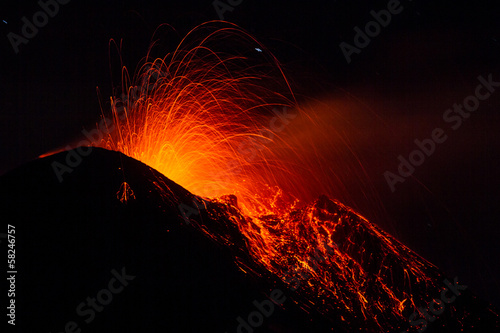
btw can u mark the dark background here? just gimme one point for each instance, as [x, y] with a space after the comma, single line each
[428, 58]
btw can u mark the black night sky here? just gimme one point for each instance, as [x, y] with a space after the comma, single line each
[428, 57]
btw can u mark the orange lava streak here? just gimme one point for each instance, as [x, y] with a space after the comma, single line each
[201, 119]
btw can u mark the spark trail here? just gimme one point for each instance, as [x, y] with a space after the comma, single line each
[201, 120]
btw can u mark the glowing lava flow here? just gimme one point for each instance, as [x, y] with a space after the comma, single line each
[201, 120]
[332, 260]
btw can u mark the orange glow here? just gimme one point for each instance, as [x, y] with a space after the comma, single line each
[202, 118]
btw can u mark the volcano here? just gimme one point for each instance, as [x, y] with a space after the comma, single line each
[117, 246]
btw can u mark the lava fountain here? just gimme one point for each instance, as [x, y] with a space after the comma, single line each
[206, 119]
[212, 116]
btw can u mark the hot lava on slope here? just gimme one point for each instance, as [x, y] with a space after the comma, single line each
[212, 117]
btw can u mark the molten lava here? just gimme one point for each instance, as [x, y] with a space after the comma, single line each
[213, 122]
[204, 119]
